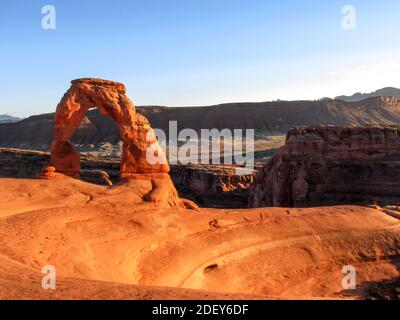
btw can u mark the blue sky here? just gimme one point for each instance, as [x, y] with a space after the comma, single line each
[197, 52]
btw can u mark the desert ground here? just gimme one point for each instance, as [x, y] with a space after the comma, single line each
[107, 243]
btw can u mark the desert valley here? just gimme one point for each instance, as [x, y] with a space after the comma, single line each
[78, 194]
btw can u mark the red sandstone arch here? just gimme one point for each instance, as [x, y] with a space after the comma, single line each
[111, 100]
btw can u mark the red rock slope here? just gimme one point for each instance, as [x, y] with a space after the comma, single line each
[105, 243]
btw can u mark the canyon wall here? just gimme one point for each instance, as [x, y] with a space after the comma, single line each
[215, 186]
[326, 165]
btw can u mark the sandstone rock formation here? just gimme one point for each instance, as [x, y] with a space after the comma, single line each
[134, 130]
[332, 165]
[49, 172]
[111, 100]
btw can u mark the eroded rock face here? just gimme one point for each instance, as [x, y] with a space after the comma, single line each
[111, 100]
[331, 165]
[213, 186]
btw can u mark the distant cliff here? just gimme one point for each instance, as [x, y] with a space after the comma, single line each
[267, 118]
[384, 92]
[332, 165]
[5, 118]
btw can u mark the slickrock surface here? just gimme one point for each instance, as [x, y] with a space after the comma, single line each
[107, 243]
[332, 165]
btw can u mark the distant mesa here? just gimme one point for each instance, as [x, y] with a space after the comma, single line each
[266, 118]
[385, 92]
[5, 118]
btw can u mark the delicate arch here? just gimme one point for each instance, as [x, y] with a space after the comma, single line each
[111, 100]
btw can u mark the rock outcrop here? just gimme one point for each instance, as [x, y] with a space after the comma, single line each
[135, 133]
[332, 165]
[49, 172]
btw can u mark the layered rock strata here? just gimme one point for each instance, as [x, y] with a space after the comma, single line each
[326, 165]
